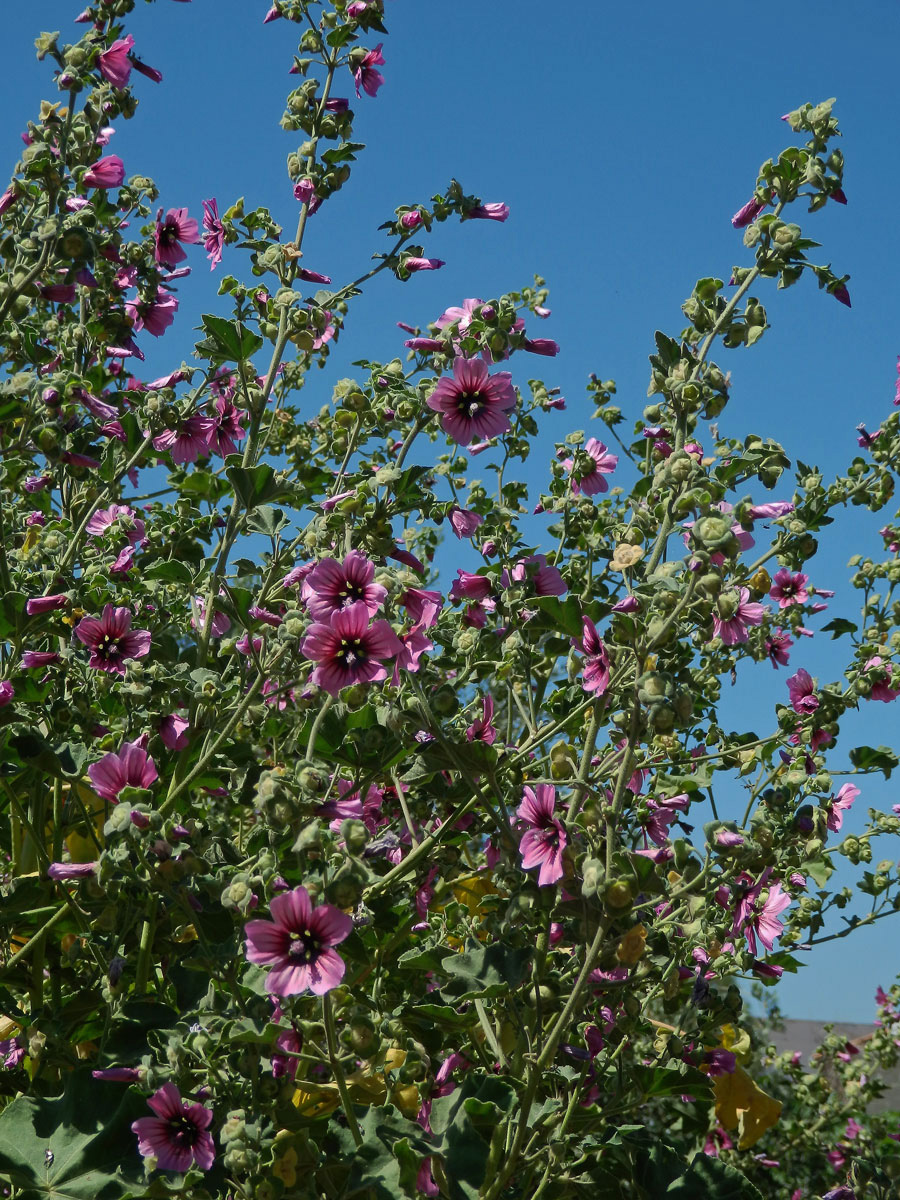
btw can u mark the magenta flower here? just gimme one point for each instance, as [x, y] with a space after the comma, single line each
[332, 586]
[839, 805]
[803, 693]
[38, 658]
[746, 215]
[464, 522]
[482, 728]
[461, 314]
[596, 659]
[213, 233]
[177, 1136]
[473, 404]
[173, 731]
[546, 346]
[153, 315]
[178, 227]
[348, 649]
[131, 767]
[412, 646]
[546, 580]
[115, 63]
[365, 76]
[107, 172]
[789, 589]
[43, 604]
[489, 212]
[543, 842]
[189, 441]
[777, 647]
[423, 606]
[881, 688]
[733, 630]
[104, 518]
[297, 943]
[467, 586]
[111, 639]
[226, 429]
[761, 919]
[143, 69]
[36, 483]
[416, 263]
[590, 479]
[119, 1074]
[312, 276]
[61, 872]
[7, 691]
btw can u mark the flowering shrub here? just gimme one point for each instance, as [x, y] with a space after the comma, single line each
[363, 880]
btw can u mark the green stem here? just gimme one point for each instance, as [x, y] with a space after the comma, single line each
[337, 1070]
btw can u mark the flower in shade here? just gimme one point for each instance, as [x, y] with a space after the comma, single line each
[365, 76]
[104, 518]
[545, 838]
[473, 404]
[348, 649]
[789, 589]
[482, 728]
[732, 629]
[38, 658]
[173, 731]
[213, 233]
[178, 227]
[588, 469]
[131, 767]
[332, 586]
[746, 215]
[115, 63]
[596, 659]
[7, 691]
[423, 606]
[111, 639]
[464, 522]
[298, 944]
[489, 212]
[178, 1135]
[107, 172]
[777, 647]
[803, 693]
[544, 578]
[839, 805]
[42, 604]
[119, 1074]
[881, 688]
[63, 871]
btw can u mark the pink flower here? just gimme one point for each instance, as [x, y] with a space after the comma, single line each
[115, 63]
[61, 872]
[332, 586]
[173, 731]
[154, 315]
[461, 314]
[746, 215]
[549, 349]
[415, 263]
[365, 76]
[111, 639]
[7, 691]
[178, 227]
[590, 479]
[297, 943]
[464, 522]
[473, 404]
[43, 604]
[482, 728]
[470, 587]
[312, 276]
[789, 589]
[423, 606]
[733, 630]
[348, 649]
[177, 1136]
[489, 212]
[802, 691]
[543, 842]
[226, 428]
[841, 802]
[413, 645]
[213, 233]
[881, 689]
[104, 518]
[596, 659]
[412, 219]
[131, 767]
[38, 658]
[189, 441]
[546, 580]
[107, 172]
[777, 648]
[761, 920]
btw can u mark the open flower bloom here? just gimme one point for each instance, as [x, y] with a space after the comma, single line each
[482, 728]
[473, 404]
[332, 586]
[803, 693]
[761, 919]
[115, 63]
[365, 76]
[789, 589]
[589, 478]
[178, 227]
[297, 943]
[839, 805]
[350, 650]
[178, 1135]
[596, 659]
[111, 639]
[732, 628]
[545, 838]
[131, 767]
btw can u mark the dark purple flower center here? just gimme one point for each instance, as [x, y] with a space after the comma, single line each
[471, 404]
[351, 652]
[183, 1132]
[107, 647]
[168, 234]
[351, 592]
[305, 947]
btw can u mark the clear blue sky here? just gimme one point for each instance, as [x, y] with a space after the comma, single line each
[623, 138]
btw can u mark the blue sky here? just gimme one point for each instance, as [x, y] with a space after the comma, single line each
[622, 138]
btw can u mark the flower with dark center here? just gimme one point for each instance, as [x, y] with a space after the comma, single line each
[177, 1136]
[473, 404]
[111, 639]
[297, 943]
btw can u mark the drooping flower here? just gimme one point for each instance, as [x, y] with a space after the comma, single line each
[746, 215]
[178, 1135]
[213, 233]
[332, 586]
[495, 211]
[733, 629]
[132, 766]
[297, 943]
[423, 606]
[348, 650]
[115, 63]
[777, 647]
[464, 522]
[365, 76]
[839, 805]
[173, 731]
[107, 172]
[482, 728]
[789, 589]
[803, 692]
[467, 586]
[178, 227]
[881, 688]
[111, 639]
[587, 477]
[545, 839]
[595, 672]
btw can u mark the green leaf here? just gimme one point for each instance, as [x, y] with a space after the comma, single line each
[170, 571]
[386, 1163]
[78, 1146]
[491, 970]
[254, 485]
[228, 339]
[868, 758]
[710, 1177]
[267, 520]
[457, 1120]
[564, 616]
[838, 627]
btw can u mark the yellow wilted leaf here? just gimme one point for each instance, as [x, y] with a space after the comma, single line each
[368, 1085]
[632, 945]
[742, 1105]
